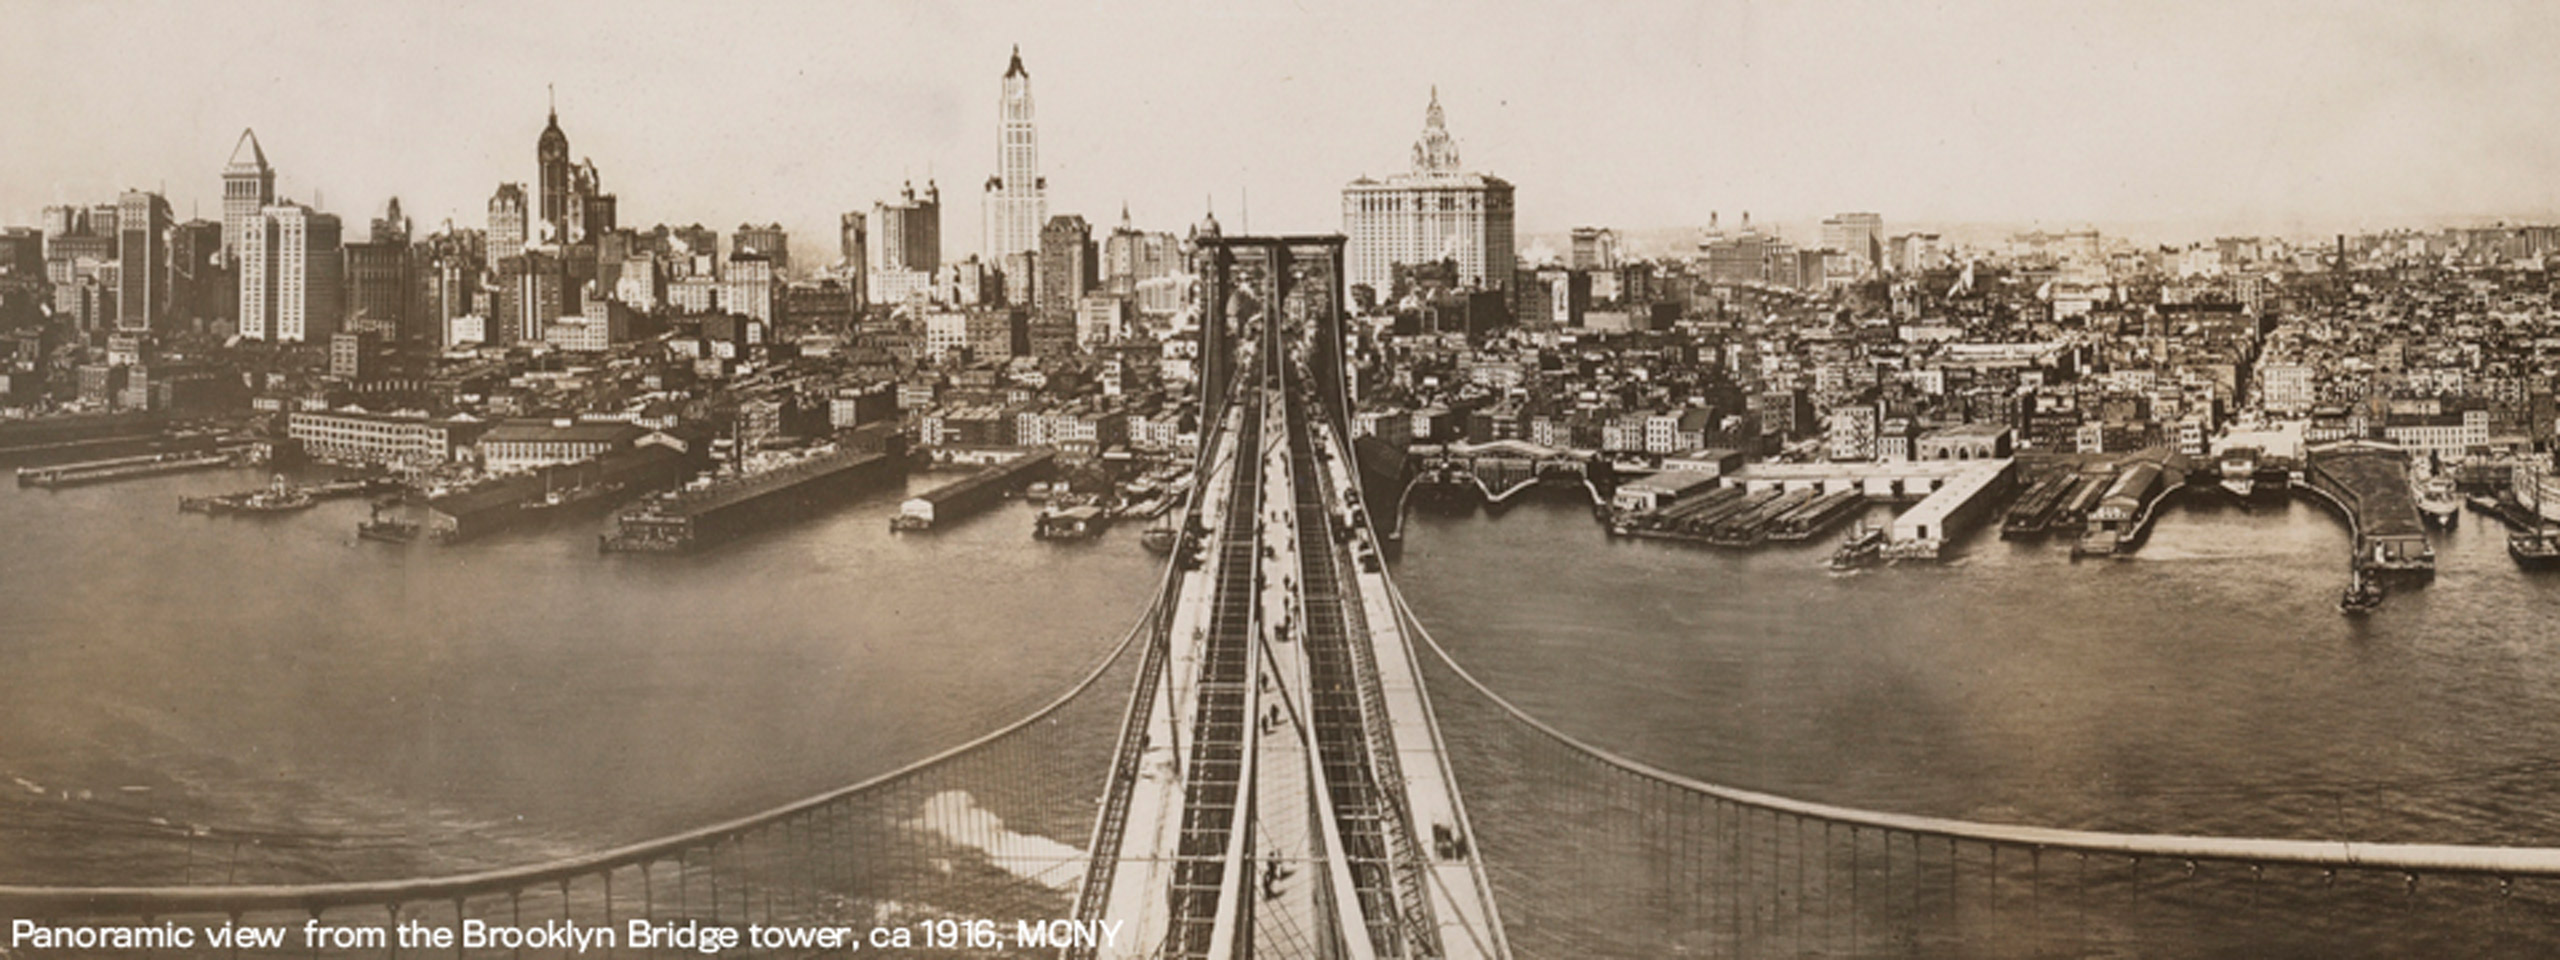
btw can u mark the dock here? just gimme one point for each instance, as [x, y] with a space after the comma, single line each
[974, 492]
[2367, 483]
[558, 490]
[1922, 532]
[113, 469]
[686, 519]
[2124, 513]
[1817, 515]
[40, 436]
[2033, 513]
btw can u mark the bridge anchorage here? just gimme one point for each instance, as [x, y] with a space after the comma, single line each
[1279, 760]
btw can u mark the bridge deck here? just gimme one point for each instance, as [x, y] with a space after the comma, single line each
[1289, 796]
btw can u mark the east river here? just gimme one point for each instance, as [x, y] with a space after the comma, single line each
[432, 709]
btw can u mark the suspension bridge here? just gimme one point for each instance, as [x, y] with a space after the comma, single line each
[1279, 760]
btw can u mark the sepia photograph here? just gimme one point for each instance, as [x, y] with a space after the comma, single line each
[1328, 480]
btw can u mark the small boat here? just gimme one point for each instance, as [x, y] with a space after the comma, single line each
[2363, 596]
[1160, 540]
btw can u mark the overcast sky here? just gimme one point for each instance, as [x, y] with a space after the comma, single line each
[2211, 115]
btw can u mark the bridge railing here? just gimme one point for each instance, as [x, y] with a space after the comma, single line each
[1595, 854]
[983, 830]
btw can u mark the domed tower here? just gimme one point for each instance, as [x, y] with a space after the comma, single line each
[551, 154]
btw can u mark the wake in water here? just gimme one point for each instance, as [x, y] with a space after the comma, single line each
[955, 816]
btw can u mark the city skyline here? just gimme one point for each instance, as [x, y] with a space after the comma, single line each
[2268, 118]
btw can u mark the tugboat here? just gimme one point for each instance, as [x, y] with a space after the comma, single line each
[2362, 597]
[1863, 546]
[279, 497]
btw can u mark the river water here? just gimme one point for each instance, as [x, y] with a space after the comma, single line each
[429, 709]
[424, 709]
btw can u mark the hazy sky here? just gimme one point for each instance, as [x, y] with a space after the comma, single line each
[2214, 115]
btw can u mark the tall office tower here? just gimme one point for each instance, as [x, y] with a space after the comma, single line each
[1017, 198]
[292, 282]
[391, 226]
[379, 276]
[199, 280]
[248, 186]
[142, 255]
[1434, 212]
[1120, 253]
[551, 156]
[1066, 268]
[1860, 235]
[907, 235]
[531, 294]
[855, 243]
[506, 222]
[769, 241]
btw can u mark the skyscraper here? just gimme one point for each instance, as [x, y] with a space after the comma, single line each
[1017, 198]
[506, 222]
[248, 186]
[906, 244]
[855, 240]
[379, 275]
[551, 155]
[142, 254]
[1435, 212]
[1858, 235]
[291, 276]
[1066, 268]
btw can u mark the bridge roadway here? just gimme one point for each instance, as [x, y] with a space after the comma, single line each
[1282, 789]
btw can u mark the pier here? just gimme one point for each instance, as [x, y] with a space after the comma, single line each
[569, 488]
[687, 519]
[976, 491]
[2367, 483]
[129, 468]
